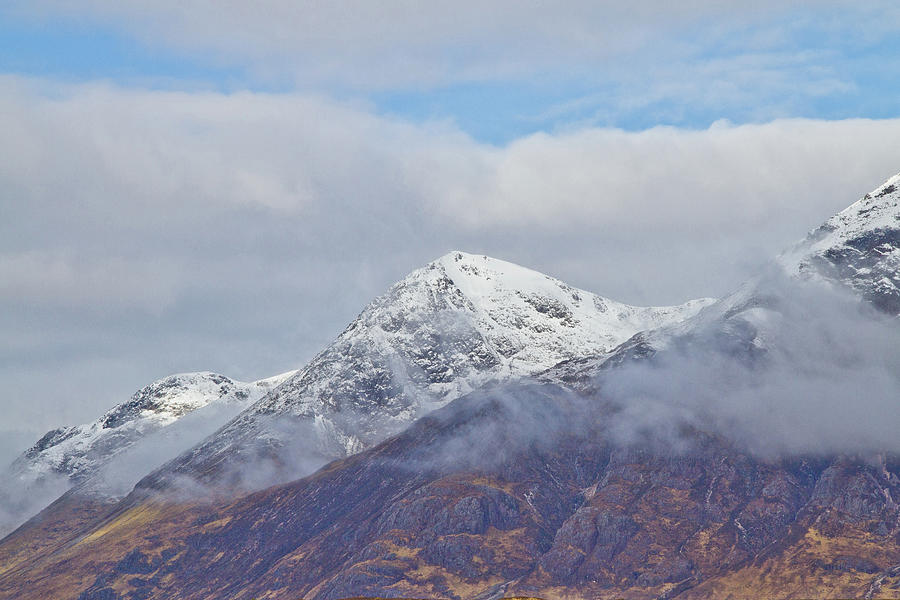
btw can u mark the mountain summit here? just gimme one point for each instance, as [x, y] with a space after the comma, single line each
[858, 247]
[456, 324]
[77, 452]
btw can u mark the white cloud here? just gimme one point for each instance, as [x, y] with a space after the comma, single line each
[41, 278]
[399, 43]
[725, 178]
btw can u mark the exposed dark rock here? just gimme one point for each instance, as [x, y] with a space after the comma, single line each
[136, 563]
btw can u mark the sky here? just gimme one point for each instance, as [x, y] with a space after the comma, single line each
[196, 185]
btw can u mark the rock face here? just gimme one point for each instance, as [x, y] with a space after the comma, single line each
[456, 324]
[858, 247]
[70, 456]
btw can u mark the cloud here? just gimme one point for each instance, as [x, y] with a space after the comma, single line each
[720, 179]
[782, 368]
[151, 232]
[108, 282]
[398, 44]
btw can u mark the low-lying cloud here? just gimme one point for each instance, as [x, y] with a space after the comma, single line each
[780, 369]
[797, 368]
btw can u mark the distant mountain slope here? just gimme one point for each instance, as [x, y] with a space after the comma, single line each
[70, 456]
[454, 325]
[858, 247]
[77, 452]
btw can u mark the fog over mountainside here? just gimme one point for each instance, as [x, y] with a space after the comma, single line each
[578, 300]
[784, 368]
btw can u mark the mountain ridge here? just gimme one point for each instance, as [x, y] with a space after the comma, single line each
[458, 323]
[445, 329]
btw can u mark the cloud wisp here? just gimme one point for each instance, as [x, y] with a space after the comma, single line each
[782, 369]
[32, 491]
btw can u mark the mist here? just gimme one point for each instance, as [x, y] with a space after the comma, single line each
[265, 221]
[780, 368]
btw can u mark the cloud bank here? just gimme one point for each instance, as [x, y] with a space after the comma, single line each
[784, 368]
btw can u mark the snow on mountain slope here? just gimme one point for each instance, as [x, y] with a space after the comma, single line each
[859, 247]
[458, 323]
[73, 456]
[856, 250]
[78, 451]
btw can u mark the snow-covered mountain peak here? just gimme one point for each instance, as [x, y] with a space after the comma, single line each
[479, 275]
[858, 247]
[169, 398]
[78, 451]
[491, 283]
[459, 322]
[140, 431]
[535, 321]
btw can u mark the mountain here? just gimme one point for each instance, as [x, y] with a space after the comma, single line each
[856, 251]
[456, 324]
[71, 456]
[858, 247]
[78, 452]
[664, 467]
